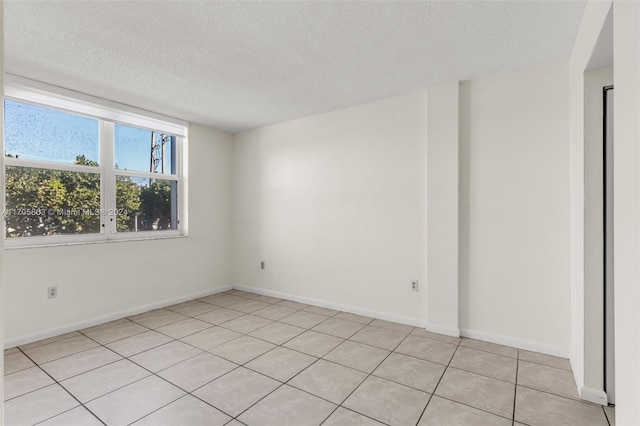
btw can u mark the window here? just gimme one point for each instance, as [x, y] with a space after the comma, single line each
[80, 172]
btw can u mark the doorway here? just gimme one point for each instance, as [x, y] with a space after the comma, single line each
[609, 325]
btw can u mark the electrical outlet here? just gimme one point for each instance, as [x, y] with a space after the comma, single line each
[414, 285]
[262, 265]
[52, 292]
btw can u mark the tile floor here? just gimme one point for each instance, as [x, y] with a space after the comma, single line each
[239, 358]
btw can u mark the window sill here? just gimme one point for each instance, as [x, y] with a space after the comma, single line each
[92, 242]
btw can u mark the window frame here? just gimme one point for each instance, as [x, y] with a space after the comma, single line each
[108, 114]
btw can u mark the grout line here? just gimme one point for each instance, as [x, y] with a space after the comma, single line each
[545, 365]
[606, 416]
[65, 389]
[515, 391]
[281, 345]
[435, 388]
[369, 374]
[580, 401]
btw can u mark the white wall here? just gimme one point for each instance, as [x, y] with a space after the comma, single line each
[593, 20]
[335, 204]
[514, 204]
[442, 229]
[103, 279]
[626, 108]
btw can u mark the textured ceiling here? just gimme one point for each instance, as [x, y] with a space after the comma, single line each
[241, 65]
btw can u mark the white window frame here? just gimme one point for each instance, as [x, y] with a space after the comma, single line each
[108, 113]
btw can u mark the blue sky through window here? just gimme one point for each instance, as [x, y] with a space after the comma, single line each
[36, 133]
[42, 134]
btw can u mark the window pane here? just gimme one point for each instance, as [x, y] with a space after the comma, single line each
[144, 150]
[42, 202]
[36, 133]
[146, 204]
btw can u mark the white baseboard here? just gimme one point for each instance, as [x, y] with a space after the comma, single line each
[443, 329]
[515, 342]
[594, 395]
[597, 396]
[34, 337]
[338, 306]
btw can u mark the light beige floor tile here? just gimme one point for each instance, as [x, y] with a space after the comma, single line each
[421, 332]
[37, 406]
[25, 381]
[281, 363]
[268, 299]
[187, 411]
[246, 294]
[304, 319]
[489, 347]
[354, 318]
[210, 338]
[410, 371]
[134, 401]
[50, 340]
[339, 328]
[388, 402]
[234, 422]
[538, 358]
[138, 343]
[248, 306]
[313, 343]
[11, 351]
[328, 380]
[394, 326]
[537, 408]
[79, 363]
[242, 349]
[183, 328]
[357, 355]
[78, 416]
[238, 292]
[277, 333]
[142, 314]
[236, 391]
[610, 412]
[484, 393]
[180, 305]
[380, 337]
[274, 312]
[164, 356]
[116, 332]
[212, 297]
[109, 324]
[196, 308]
[548, 379]
[227, 300]
[161, 318]
[197, 371]
[16, 361]
[485, 363]
[219, 316]
[288, 407]
[59, 349]
[427, 349]
[344, 417]
[246, 324]
[444, 412]
[293, 305]
[100, 381]
[322, 311]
